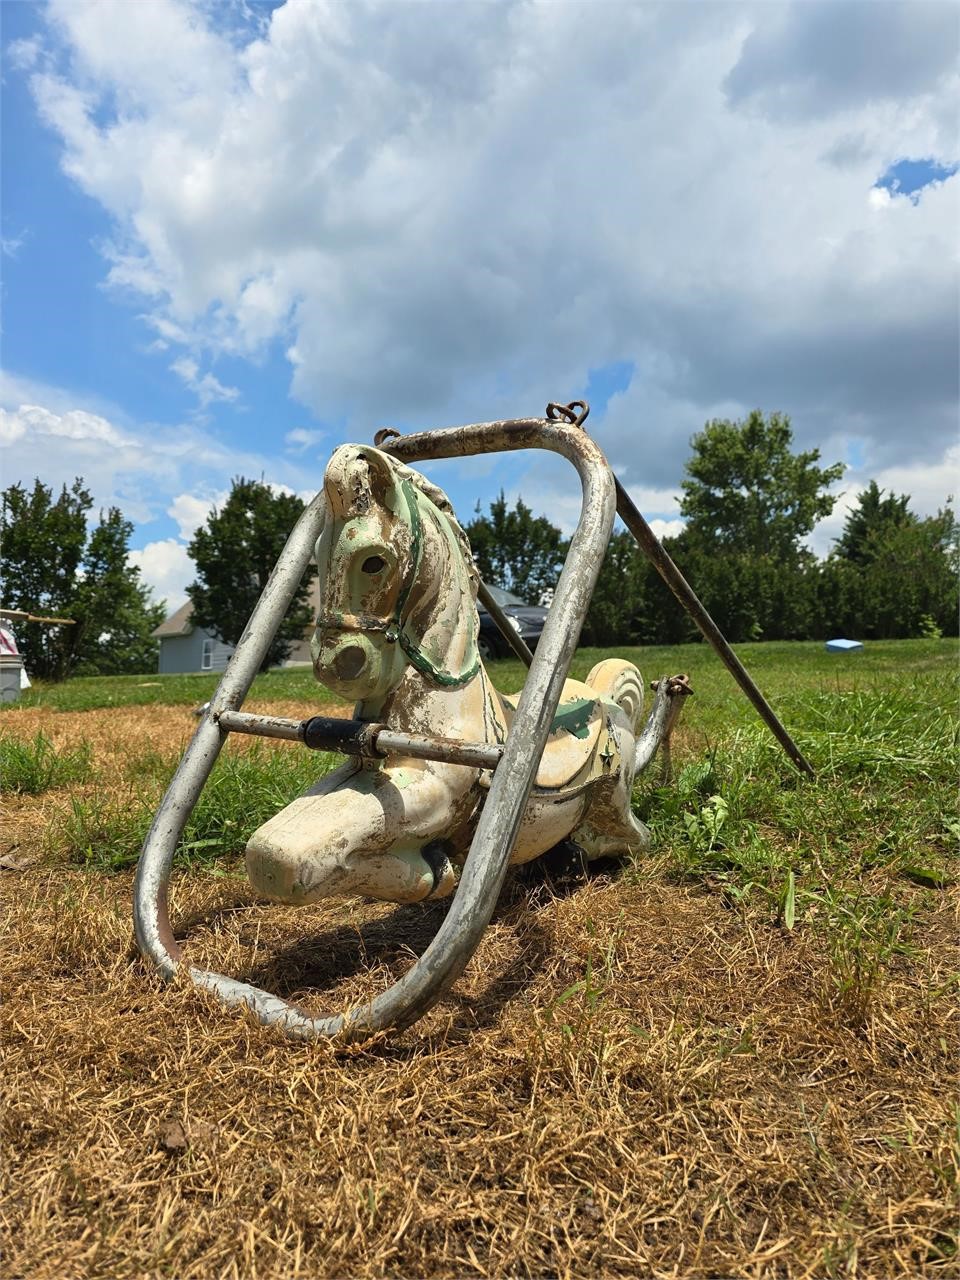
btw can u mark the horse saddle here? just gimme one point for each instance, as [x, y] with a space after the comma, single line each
[575, 737]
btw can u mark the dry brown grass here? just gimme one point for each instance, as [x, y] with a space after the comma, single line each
[630, 1080]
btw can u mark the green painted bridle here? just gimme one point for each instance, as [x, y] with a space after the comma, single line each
[393, 628]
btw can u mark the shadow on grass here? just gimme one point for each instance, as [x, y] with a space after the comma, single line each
[315, 965]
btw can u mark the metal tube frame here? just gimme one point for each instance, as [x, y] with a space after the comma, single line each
[360, 738]
[459, 935]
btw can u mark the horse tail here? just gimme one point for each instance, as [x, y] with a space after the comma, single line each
[620, 682]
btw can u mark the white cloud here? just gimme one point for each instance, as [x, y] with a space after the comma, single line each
[666, 528]
[879, 198]
[654, 500]
[24, 54]
[446, 218]
[33, 420]
[136, 467]
[190, 511]
[301, 438]
[166, 569]
[10, 246]
[208, 388]
[819, 57]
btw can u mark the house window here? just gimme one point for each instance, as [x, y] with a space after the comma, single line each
[206, 656]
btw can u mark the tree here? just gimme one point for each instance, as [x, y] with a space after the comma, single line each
[896, 574]
[49, 565]
[517, 550]
[747, 492]
[114, 612]
[867, 521]
[616, 613]
[750, 501]
[235, 553]
[41, 547]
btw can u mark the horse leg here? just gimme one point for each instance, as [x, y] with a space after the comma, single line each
[358, 831]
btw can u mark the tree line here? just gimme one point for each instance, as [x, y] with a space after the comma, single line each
[749, 501]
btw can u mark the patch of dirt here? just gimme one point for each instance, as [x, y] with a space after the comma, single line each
[118, 731]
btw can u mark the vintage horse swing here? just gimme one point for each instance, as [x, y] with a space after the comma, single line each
[447, 781]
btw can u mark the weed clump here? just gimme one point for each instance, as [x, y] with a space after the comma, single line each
[35, 766]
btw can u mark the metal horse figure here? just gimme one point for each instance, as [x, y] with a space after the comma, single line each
[397, 634]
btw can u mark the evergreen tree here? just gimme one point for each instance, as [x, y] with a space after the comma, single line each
[872, 515]
[517, 550]
[235, 552]
[901, 576]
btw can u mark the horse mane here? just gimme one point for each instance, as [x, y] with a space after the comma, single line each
[443, 504]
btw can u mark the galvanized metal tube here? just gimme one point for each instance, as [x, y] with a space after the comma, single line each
[513, 638]
[475, 755]
[658, 724]
[151, 924]
[661, 561]
[262, 726]
[459, 934]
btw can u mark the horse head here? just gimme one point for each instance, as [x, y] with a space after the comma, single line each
[397, 581]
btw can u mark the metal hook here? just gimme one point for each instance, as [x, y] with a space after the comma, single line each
[575, 413]
[385, 434]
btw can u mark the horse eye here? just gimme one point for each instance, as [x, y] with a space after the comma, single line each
[373, 564]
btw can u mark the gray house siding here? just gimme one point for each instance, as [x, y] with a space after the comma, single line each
[198, 651]
[185, 648]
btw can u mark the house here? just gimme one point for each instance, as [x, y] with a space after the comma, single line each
[185, 648]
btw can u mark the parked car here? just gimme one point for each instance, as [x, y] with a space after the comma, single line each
[527, 619]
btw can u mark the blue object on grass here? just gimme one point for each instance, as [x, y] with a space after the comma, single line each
[843, 646]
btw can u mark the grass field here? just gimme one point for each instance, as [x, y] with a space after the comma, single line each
[736, 1058]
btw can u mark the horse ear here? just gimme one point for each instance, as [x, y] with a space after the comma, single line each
[357, 477]
[381, 474]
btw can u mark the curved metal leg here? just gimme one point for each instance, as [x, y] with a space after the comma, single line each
[459, 935]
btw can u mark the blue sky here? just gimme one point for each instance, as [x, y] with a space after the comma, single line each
[235, 236]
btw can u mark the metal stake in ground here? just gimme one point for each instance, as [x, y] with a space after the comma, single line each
[576, 413]
[678, 584]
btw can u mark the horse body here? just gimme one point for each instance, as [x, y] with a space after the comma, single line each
[397, 632]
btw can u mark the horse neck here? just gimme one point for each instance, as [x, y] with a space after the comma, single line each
[440, 618]
[417, 705]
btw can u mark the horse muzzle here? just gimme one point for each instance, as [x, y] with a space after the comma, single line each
[353, 664]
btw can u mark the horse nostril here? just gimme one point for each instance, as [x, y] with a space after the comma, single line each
[349, 662]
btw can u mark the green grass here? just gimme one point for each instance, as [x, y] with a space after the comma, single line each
[856, 859]
[781, 668]
[91, 693]
[841, 855]
[32, 767]
[105, 831]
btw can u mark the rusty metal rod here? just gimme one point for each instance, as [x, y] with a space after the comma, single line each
[361, 738]
[513, 638]
[661, 561]
[18, 615]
